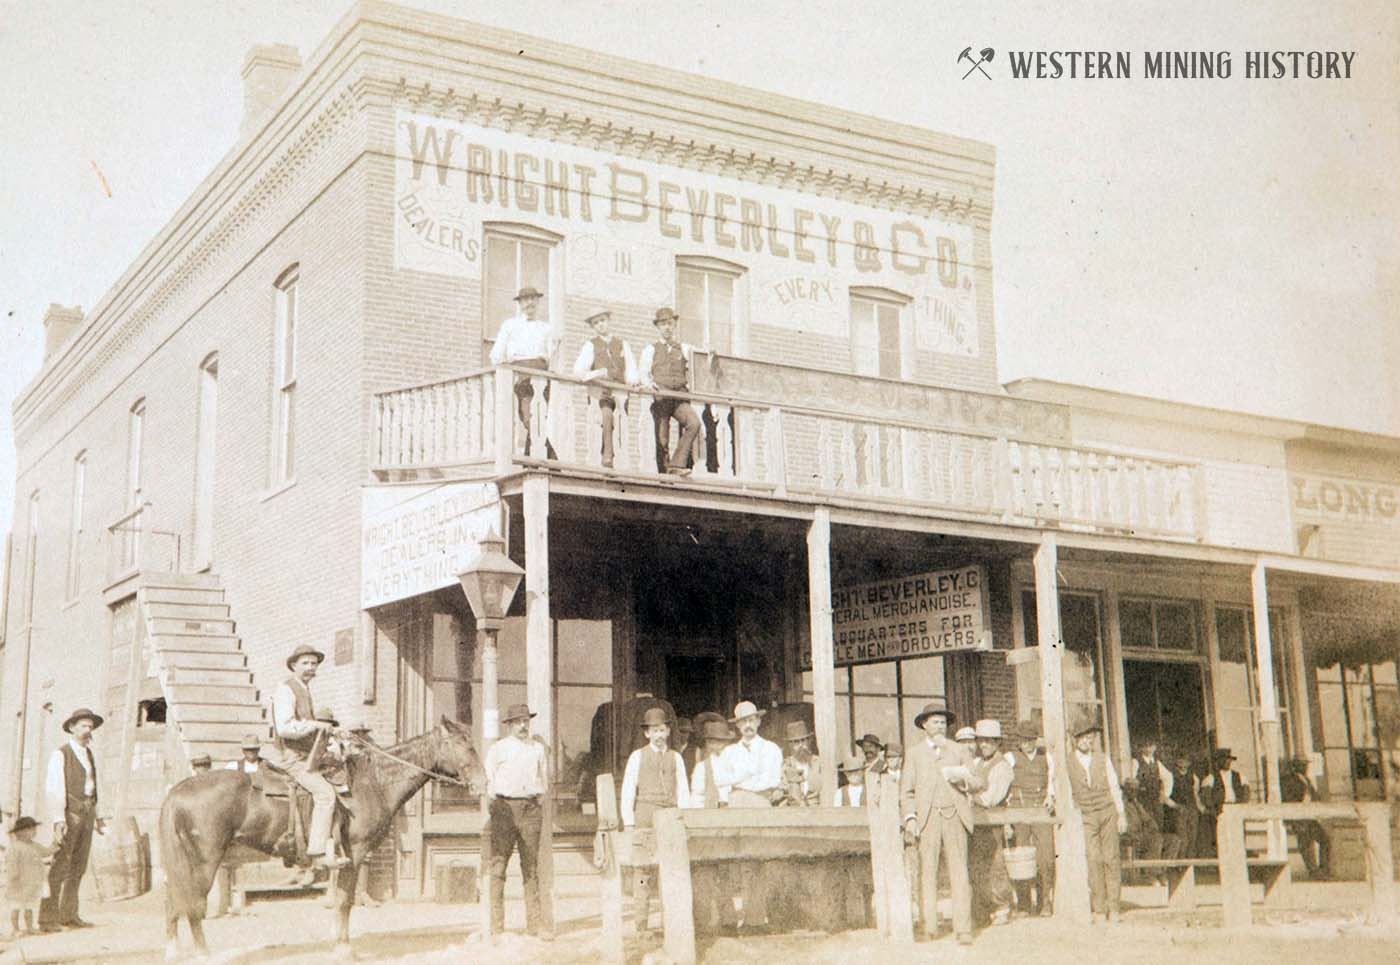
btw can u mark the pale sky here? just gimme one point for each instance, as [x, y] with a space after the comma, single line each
[1230, 243]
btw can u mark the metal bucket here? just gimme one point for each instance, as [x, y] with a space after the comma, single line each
[1020, 862]
[121, 862]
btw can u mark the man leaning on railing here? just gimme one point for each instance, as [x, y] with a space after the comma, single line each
[527, 341]
[608, 357]
[666, 365]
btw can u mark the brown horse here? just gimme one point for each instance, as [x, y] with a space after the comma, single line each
[203, 817]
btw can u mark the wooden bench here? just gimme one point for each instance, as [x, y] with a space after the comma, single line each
[1180, 873]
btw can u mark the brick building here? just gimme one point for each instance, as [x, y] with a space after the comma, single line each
[280, 427]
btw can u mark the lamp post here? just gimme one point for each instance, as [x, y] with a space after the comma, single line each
[490, 584]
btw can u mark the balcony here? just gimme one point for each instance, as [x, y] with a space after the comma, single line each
[467, 427]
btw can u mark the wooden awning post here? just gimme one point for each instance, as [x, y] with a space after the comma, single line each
[1270, 733]
[539, 663]
[823, 645]
[1071, 869]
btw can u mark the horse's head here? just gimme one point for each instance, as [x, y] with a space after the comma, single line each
[456, 755]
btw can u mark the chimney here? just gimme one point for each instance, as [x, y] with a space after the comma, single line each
[267, 72]
[59, 325]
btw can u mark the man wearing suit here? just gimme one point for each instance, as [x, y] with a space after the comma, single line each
[937, 811]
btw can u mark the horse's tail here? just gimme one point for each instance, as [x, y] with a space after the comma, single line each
[180, 856]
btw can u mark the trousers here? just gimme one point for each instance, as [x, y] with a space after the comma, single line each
[69, 864]
[945, 837]
[662, 412]
[516, 823]
[1105, 865]
[991, 885]
[322, 805]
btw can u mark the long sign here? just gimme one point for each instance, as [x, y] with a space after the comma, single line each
[414, 540]
[914, 616]
[625, 219]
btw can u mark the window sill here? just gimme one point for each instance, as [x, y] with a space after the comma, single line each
[277, 490]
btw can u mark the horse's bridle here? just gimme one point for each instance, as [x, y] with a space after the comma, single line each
[432, 775]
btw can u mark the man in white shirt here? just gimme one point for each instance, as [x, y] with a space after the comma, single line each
[527, 340]
[752, 767]
[296, 728]
[70, 792]
[707, 787]
[666, 364]
[653, 779]
[1153, 783]
[853, 794]
[1094, 785]
[991, 885]
[517, 777]
[608, 357]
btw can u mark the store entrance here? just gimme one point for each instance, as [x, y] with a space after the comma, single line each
[696, 682]
[1166, 702]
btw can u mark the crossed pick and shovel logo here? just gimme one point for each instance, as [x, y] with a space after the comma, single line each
[984, 57]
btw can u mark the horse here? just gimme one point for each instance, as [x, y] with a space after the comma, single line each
[207, 816]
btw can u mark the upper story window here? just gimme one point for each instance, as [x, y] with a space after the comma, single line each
[1158, 625]
[284, 376]
[710, 299]
[881, 336]
[135, 431]
[75, 527]
[517, 256]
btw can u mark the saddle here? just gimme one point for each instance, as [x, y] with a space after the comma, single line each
[291, 846]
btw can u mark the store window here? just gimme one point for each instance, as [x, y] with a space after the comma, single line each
[710, 301]
[517, 256]
[284, 377]
[881, 698]
[1165, 625]
[1361, 730]
[879, 334]
[1080, 630]
[1237, 691]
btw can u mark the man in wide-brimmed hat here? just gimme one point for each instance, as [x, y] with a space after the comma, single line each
[852, 794]
[753, 769]
[517, 778]
[938, 777]
[991, 885]
[706, 787]
[1094, 785]
[251, 761]
[665, 364]
[1033, 786]
[608, 357]
[802, 768]
[296, 728]
[70, 791]
[653, 779]
[527, 340]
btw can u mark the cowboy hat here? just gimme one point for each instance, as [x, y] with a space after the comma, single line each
[665, 315]
[654, 717]
[1223, 754]
[935, 707]
[718, 730]
[82, 713]
[527, 292]
[796, 730]
[1085, 721]
[894, 749]
[516, 712]
[23, 823]
[250, 742]
[304, 651]
[327, 715]
[1026, 731]
[596, 317]
[871, 739]
[745, 708]
[988, 729]
[965, 734]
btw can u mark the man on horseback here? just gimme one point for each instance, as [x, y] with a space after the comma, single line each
[295, 722]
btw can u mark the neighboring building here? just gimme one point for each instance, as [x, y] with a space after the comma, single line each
[279, 427]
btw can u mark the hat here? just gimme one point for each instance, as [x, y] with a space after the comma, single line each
[597, 317]
[796, 730]
[303, 651]
[718, 730]
[665, 315]
[361, 727]
[23, 823]
[965, 734]
[1026, 731]
[1223, 754]
[527, 292]
[745, 708]
[1085, 721]
[935, 707]
[871, 739]
[989, 729]
[204, 759]
[894, 749]
[328, 716]
[250, 742]
[855, 762]
[653, 717]
[82, 713]
[516, 712]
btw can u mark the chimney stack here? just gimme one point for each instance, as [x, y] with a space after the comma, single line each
[59, 325]
[267, 72]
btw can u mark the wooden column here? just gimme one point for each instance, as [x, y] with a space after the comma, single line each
[1234, 872]
[823, 644]
[1071, 870]
[1380, 863]
[1270, 734]
[539, 662]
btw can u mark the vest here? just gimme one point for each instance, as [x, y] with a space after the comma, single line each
[75, 777]
[1089, 798]
[303, 711]
[1150, 786]
[669, 369]
[1029, 780]
[656, 779]
[1181, 787]
[607, 354]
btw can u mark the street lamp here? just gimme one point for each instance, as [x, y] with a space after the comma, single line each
[490, 584]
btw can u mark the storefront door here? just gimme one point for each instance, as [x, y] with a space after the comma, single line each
[1166, 703]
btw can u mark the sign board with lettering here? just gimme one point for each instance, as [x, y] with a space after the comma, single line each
[924, 615]
[1342, 518]
[417, 539]
[625, 219]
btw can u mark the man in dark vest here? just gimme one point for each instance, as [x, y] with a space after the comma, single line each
[1222, 786]
[654, 779]
[1296, 787]
[1094, 785]
[1183, 815]
[296, 727]
[1153, 792]
[666, 365]
[70, 791]
[1032, 786]
[605, 356]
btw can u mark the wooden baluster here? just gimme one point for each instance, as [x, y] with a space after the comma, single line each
[775, 452]
[746, 423]
[1123, 491]
[855, 450]
[409, 425]
[936, 461]
[980, 496]
[957, 476]
[645, 443]
[1144, 518]
[503, 419]
[911, 444]
[1074, 485]
[381, 425]
[724, 440]
[560, 422]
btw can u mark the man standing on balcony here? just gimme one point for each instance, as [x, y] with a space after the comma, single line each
[666, 365]
[70, 790]
[608, 357]
[528, 341]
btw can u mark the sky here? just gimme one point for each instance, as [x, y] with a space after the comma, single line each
[1226, 242]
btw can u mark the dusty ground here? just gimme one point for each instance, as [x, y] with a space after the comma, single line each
[289, 932]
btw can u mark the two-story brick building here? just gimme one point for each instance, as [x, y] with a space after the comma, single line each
[280, 427]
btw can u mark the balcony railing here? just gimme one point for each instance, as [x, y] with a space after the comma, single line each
[471, 423]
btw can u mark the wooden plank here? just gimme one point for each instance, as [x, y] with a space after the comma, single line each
[1268, 702]
[1299, 811]
[136, 670]
[1234, 874]
[1380, 862]
[610, 885]
[673, 862]
[483, 872]
[823, 642]
[893, 911]
[698, 819]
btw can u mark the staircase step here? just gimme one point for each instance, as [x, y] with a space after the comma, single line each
[227, 694]
[193, 626]
[248, 714]
[211, 659]
[223, 731]
[183, 580]
[182, 594]
[205, 643]
[188, 611]
[177, 676]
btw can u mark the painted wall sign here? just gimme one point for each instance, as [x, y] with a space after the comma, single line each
[417, 539]
[914, 616]
[802, 251]
[1342, 518]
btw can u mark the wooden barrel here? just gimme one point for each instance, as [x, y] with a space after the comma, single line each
[121, 862]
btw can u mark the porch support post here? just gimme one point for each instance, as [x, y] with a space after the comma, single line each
[539, 664]
[1071, 869]
[1270, 733]
[823, 644]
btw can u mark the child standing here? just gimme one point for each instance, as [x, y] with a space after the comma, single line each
[26, 873]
